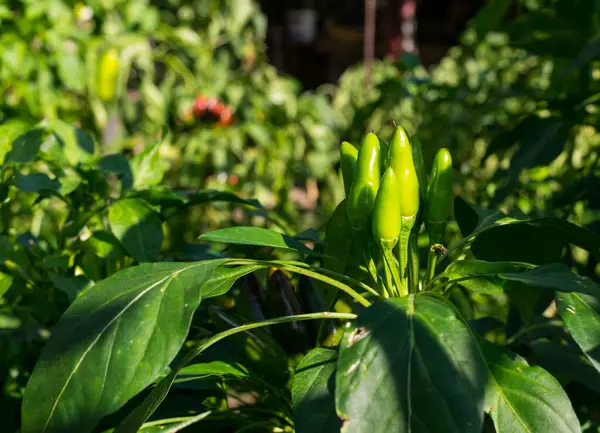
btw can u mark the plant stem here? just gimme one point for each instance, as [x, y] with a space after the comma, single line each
[407, 225]
[431, 262]
[413, 263]
[331, 274]
[391, 264]
[136, 418]
[309, 273]
[389, 284]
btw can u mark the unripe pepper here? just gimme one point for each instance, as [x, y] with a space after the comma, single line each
[107, 74]
[366, 183]
[348, 157]
[438, 204]
[387, 214]
[401, 160]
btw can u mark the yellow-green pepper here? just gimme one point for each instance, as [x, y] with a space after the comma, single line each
[366, 183]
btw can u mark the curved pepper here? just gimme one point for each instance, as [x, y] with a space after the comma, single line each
[387, 213]
[107, 74]
[366, 183]
[348, 157]
[438, 204]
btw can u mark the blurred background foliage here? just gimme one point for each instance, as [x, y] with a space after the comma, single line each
[516, 101]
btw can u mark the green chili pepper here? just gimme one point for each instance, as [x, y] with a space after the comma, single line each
[107, 74]
[387, 215]
[366, 183]
[438, 205]
[348, 157]
[401, 160]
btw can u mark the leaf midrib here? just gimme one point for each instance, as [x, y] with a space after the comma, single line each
[93, 343]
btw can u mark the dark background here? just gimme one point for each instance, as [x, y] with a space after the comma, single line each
[340, 27]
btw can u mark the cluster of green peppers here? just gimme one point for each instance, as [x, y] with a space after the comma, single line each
[388, 197]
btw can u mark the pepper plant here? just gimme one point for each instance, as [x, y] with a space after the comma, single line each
[366, 340]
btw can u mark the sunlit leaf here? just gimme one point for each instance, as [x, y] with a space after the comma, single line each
[410, 364]
[313, 393]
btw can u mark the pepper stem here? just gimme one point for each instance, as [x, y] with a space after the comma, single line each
[388, 289]
[432, 257]
[392, 269]
[403, 253]
[413, 263]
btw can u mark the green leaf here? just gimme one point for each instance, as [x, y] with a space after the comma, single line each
[137, 226]
[9, 130]
[37, 182]
[26, 147]
[202, 376]
[410, 364]
[313, 393]
[520, 398]
[472, 218]
[5, 283]
[337, 239]
[495, 237]
[562, 360]
[148, 167]
[490, 16]
[581, 314]
[8, 321]
[555, 276]
[538, 241]
[482, 276]
[112, 342]
[118, 164]
[77, 146]
[73, 287]
[105, 245]
[255, 236]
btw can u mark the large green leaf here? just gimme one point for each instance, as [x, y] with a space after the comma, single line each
[565, 361]
[255, 236]
[554, 276]
[581, 314]
[137, 227]
[410, 364]
[494, 236]
[313, 393]
[539, 241]
[114, 340]
[524, 399]
[480, 276]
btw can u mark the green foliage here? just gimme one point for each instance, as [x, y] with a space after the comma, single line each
[167, 54]
[178, 341]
